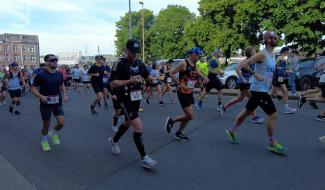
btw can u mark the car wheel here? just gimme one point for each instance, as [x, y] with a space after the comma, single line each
[231, 83]
[305, 84]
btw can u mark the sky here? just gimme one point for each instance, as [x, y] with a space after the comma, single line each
[74, 25]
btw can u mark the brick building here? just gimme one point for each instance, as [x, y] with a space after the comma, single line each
[21, 48]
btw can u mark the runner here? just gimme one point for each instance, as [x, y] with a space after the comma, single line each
[168, 80]
[126, 76]
[155, 83]
[214, 81]
[3, 86]
[202, 66]
[76, 75]
[244, 85]
[278, 83]
[263, 75]
[85, 78]
[118, 110]
[188, 75]
[96, 73]
[315, 95]
[47, 86]
[107, 72]
[15, 84]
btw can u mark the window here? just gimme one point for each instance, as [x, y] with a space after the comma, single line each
[32, 58]
[24, 58]
[0, 58]
[15, 48]
[24, 49]
[16, 58]
[32, 49]
[7, 48]
[7, 58]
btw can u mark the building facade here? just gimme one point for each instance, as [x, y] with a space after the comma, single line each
[20, 48]
[69, 58]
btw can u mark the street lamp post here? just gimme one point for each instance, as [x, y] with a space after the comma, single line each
[130, 20]
[142, 31]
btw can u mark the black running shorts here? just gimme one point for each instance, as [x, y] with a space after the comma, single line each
[262, 99]
[186, 100]
[46, 111]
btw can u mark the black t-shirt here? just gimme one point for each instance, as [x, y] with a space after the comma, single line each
[49, 83]
[96, 69]
[123, 70]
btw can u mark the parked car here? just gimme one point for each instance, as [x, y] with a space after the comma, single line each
[229, 77]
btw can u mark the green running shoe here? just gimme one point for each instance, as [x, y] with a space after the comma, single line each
[55, 138]
[277, 148]
[232, 137]
[45, 146]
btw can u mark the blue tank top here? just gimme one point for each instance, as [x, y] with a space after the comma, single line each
[14, 81]
[245, 74]
[265, 70]
[280, 70]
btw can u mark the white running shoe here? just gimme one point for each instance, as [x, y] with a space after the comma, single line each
[114, 129]
[115, 148]
[148, 162]
[290, 111]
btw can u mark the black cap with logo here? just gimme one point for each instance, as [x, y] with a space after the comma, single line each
[133, 45]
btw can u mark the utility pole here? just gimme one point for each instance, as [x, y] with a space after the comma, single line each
[130, 20]
[142, 31]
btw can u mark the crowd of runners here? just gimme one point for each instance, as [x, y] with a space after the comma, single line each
[129, 82]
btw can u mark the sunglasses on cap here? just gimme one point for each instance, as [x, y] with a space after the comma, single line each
[54, 60]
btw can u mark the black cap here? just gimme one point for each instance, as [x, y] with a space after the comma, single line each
[99, 57]
[133, 45]
[13, 64]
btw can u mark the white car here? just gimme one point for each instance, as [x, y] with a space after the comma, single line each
[229, 78]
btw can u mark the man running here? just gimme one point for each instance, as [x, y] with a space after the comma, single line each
[3, 86]
[107, 72]
[278, 83]
[244, 85]
[15, 84]
[214, 81]
[85, 78]
[47, 86]
[263, 75]
[168, 80]
[155, 83]
[126, 77]
[188, 76]
[76, 75]
[96, 73]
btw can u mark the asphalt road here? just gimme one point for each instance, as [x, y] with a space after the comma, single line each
[207, 161]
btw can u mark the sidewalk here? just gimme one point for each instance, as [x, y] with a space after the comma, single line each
[11, 179]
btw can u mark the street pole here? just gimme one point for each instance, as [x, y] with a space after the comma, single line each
[142, 32]
[130, 21]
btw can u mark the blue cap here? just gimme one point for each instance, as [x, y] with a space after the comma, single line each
[196, 50]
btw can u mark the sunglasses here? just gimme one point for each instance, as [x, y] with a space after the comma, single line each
[53, 60]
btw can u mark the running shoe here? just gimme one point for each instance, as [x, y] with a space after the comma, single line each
[148, 162]
[257, 119]
[198, 106]
[222, 110]
[277, 148]
[147, 101]
[181, 137]
[161, 103]
[169, 124]
[45, 146]
[17, 112]
[55, 138]
[232, 137]
[92, 109]
[4, 102]
[114, 129]
[320, 118]
[1, 103]
[141, 109]
[313, 105]
[301, 101]
[11, 109]
[115, 148]
[290, 111]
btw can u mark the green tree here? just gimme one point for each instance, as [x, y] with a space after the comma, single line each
[122, 29]
[166, 34]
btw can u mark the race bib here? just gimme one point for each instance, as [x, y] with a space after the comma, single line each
[136, 95]
[155, 81]
[280, 79]
[53, 99]
[105, 80]
[169, 79]
[191, 83]
[269, 79]
[250, 80]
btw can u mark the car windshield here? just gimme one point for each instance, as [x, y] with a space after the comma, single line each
[231, 67]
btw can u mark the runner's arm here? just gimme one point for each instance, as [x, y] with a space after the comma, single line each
[172, 73]
[246, 63]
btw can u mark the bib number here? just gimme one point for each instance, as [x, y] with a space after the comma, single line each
[53, 99]
[105, 80]
[191, 83]
[269, 79]
[280, 79]
[136, 95]
[169, 79]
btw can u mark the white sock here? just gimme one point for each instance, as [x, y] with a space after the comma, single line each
[53, 132]
[44, 138]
